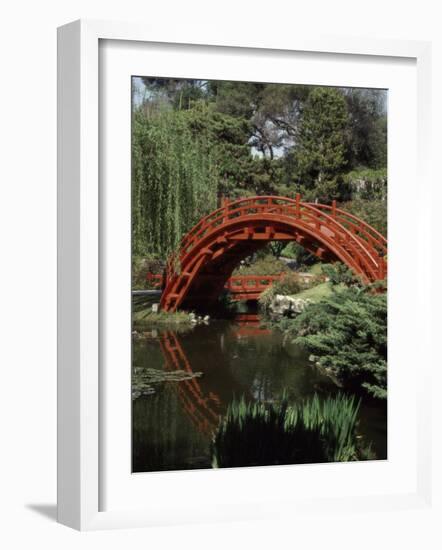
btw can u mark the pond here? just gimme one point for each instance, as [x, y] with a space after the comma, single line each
[198, 371]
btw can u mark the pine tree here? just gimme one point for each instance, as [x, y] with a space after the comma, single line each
[321, 145]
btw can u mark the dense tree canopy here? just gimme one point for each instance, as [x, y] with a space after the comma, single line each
[320, 146]
[195, 141]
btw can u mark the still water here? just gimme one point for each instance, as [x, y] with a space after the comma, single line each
[175, 413]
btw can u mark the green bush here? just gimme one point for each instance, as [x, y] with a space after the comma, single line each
[262, 265]
[253, 434]
[367, 184]
[290, 284]
[347, 333]
[296, 252]
[339, 274]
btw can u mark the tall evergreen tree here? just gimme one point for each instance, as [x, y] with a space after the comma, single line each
[321, 145]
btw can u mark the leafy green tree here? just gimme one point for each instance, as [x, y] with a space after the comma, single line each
[239, 172]
[174, 181]
[367, 128]
[320, 149]
[271, 109]
[339, 274]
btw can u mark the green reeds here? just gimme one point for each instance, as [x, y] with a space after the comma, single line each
[317, 430]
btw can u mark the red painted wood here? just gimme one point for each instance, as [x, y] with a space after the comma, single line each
[242, 287]
[203, 410]
[243, 225]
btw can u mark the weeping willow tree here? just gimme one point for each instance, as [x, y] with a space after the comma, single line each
[174, 180]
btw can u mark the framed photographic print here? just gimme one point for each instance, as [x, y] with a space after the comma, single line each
[233, 273]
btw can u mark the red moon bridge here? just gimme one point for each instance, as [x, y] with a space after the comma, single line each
[212, 249]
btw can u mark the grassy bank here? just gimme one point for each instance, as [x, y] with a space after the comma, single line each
[142, 314]
[147, 317]
[315, 293]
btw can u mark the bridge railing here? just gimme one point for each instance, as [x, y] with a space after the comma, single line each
[251, 282]
[235, 283]
[356, 226]
[339, 223]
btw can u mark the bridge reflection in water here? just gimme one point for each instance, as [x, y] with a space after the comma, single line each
[172, 428]
[202, 410]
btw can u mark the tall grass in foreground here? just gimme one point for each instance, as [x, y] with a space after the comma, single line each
[317, 430]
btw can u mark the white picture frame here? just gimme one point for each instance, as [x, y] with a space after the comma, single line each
[79, 294]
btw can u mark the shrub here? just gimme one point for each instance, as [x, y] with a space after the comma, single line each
[367, 183]
[339, 274]
[288, 285]
[141, 266]
[347, 333]
[262, 265]
[317, 430]
[303, 258]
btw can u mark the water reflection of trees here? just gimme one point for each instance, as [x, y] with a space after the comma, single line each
[172, 428]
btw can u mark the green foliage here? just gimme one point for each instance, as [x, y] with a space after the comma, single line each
[265, 299]
[194, 141]
[321, 145]
[227, 139]
[174, 182]
[178, 93]
[347, 333]
[144, 317]
[317, 292]
[264, 265]
[272, 110]
[367, 128]
[290, 284]
[367, 184]
[141, 266]
[253, 434]
[373, 212]
[303, 257]
[339, 274]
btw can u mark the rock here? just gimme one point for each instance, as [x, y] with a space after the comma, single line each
[287, 306]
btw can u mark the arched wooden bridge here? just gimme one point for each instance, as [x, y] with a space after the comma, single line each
[213, 247]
